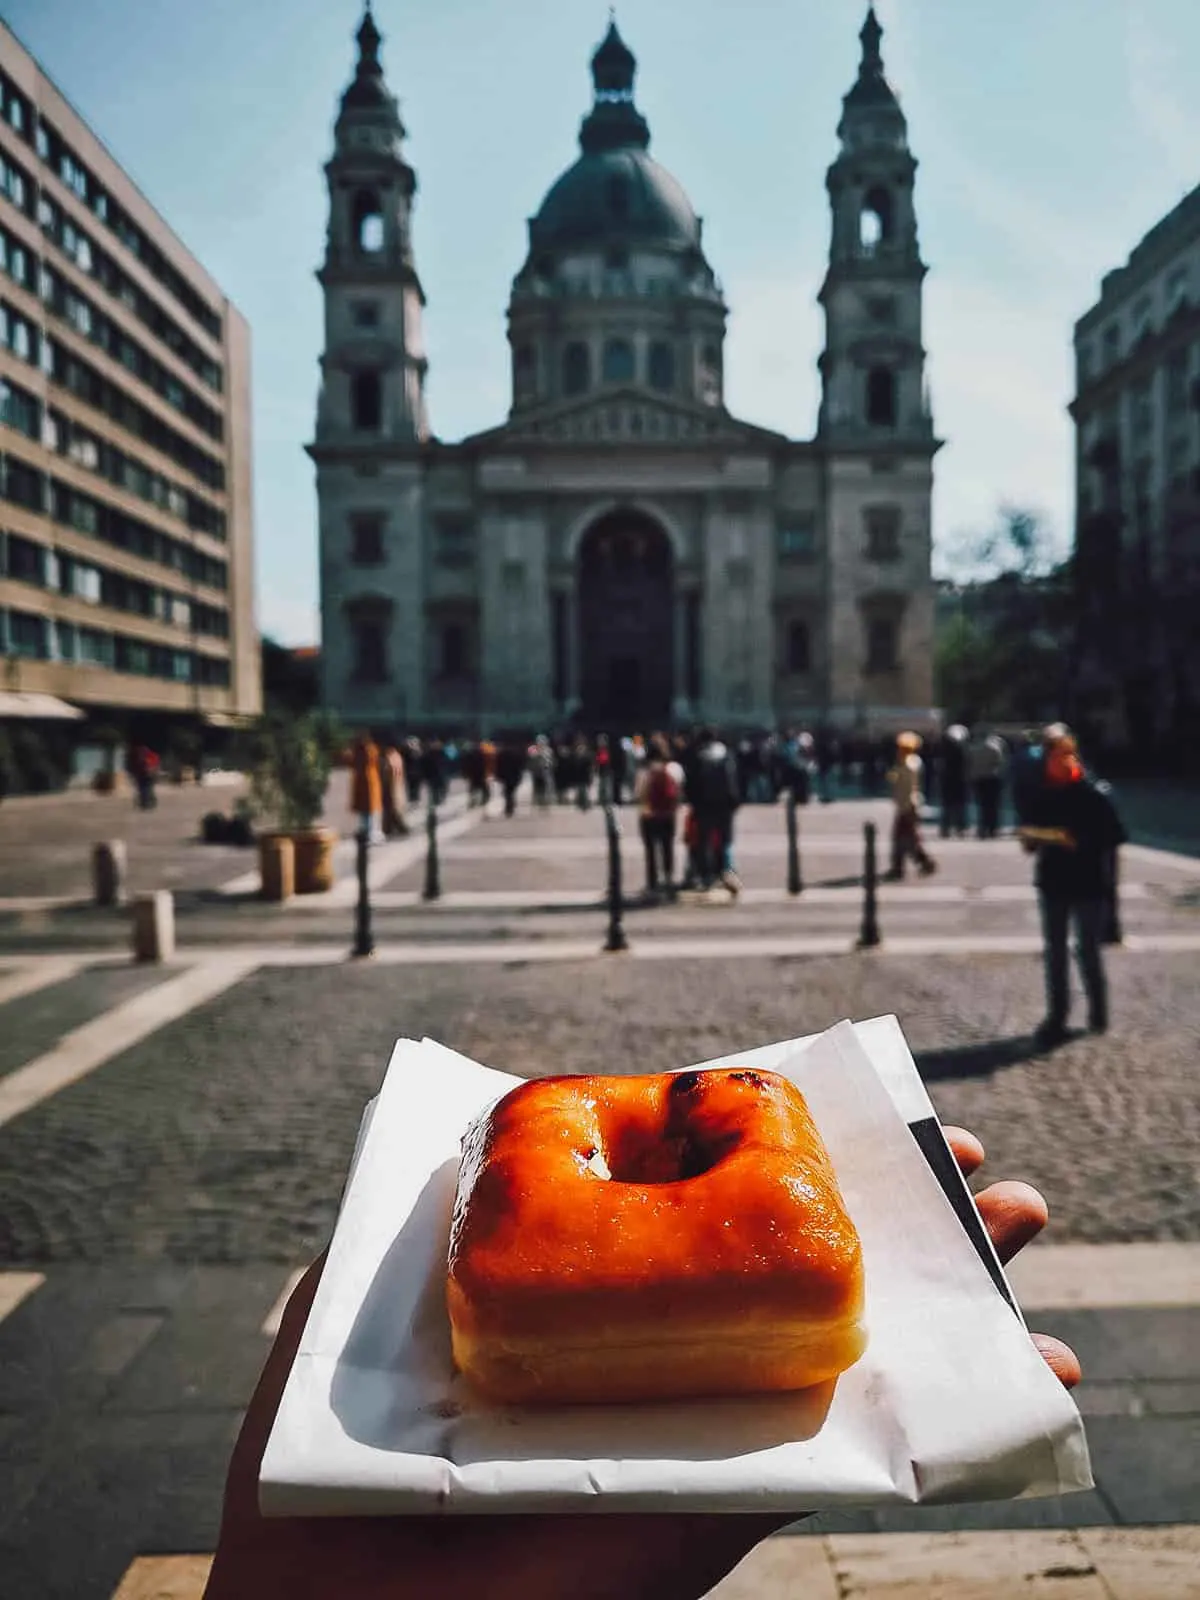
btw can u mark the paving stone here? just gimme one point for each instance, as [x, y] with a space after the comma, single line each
[1146, 1467]
[782, 1569]
[990, 1566]
[1109, 1399]
[35, 1024]
[1144, 1564]
[165, 1578]
[1172, 1399]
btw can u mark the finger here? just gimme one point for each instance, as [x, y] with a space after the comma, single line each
[968, 1151]
[1060, 1358]
[1013, 1213]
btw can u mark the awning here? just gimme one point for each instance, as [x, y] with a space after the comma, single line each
[37, 707]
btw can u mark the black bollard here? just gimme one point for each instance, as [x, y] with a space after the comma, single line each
[616, 899]
[795, 884]
[364, 944]
[1112, 932]
[433, 871]
[869, 936]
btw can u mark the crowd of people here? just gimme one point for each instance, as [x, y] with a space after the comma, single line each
[687, 790]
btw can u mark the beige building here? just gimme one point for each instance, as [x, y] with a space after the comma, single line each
[126, 531]
[1137, 465]
[621, 550]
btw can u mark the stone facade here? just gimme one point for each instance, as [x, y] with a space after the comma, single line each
[126, 487]
[1136, 676]
[622, 550]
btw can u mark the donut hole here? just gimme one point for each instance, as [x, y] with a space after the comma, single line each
[632, 1157]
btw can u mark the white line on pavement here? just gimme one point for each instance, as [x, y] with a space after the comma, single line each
[917, 896]
[439, 953]
[1146, 855]
[34, 975]
[274, 1318]
[15, 1287]
[90, 1046]
[387, 859]
[29, 904]
[1059, 1277]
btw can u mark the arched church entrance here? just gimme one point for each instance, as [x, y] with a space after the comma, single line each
[626, 617]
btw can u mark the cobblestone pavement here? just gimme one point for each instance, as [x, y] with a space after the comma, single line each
[167, 1195]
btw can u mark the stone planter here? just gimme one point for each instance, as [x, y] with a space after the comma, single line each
[313, 848]
[277, 866]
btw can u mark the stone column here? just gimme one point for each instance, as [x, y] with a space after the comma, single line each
[681, 704]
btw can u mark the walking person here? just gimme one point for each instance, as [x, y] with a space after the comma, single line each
[366, 790]
[906, 781]
[1075, 830]
[143, 769]
[987, 764]
[510, 769]
[581, 773]
[714, 795]
[954, 781]
[658, 791]
[392, 786]
[542, 767]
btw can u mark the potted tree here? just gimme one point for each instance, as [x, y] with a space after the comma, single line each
[288, 760]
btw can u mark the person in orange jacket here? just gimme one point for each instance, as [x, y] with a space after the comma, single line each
[366, 791]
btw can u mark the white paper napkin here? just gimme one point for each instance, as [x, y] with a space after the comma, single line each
[951, 1401]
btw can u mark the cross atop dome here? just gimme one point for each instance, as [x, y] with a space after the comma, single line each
[614, 65]
[615, 123]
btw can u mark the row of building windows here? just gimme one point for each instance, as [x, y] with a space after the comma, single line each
[456, 655]
[25, 633]
[27, 561]
[67, 167]
[618, 364]
[1145, 317]
[455, 544]
[86, 383]
[25, 412]
[25, 267]
[92, 323]
[26, 340]
[24, 485]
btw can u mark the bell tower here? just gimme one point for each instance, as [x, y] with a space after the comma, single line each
[875, 420]
[373, 369]
[372, 425]
[873, 366]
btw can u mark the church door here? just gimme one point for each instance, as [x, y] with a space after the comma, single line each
[626, 624]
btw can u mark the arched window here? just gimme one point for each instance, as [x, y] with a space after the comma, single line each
[368, 222]
[710, 375]
[525, 372]
[875, 221]
[662, 366]
[881, 397]
[618, 361]
[369, 634]
[366, 402]
[799, 655]
[577, 369]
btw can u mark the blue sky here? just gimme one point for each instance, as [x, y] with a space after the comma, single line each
[1051, 134]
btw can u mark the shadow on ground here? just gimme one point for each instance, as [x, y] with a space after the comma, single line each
[977, 1060]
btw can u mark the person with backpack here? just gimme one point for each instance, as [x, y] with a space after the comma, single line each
[1075, 831]
[714, 795]
[658, 792]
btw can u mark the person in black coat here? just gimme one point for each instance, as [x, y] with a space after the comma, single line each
[1075, 830]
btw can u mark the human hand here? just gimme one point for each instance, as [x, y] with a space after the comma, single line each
[623, 1557]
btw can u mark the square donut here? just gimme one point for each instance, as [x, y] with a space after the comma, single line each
[645, 1238]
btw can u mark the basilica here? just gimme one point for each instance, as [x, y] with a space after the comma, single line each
[621, 551]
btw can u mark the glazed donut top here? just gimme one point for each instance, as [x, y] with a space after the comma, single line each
[638, 1183]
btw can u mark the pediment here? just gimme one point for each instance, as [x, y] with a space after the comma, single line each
[629, 416]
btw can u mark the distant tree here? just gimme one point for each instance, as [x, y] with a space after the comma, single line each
[1004, 642]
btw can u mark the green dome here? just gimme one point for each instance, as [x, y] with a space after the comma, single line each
[616, 196]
